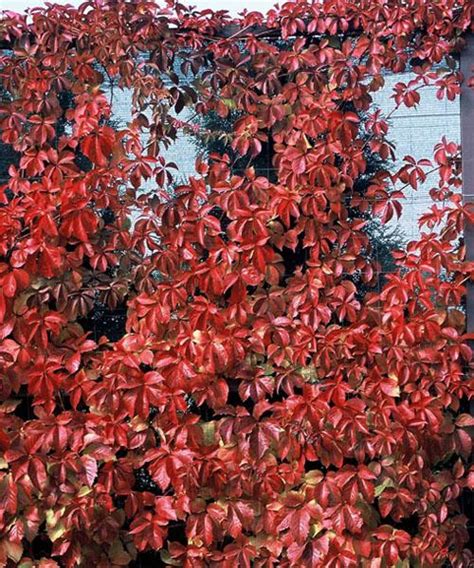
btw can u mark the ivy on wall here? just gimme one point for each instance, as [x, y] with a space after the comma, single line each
[251, 411]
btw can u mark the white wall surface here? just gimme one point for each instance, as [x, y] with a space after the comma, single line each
[233, 6]
[414, 131]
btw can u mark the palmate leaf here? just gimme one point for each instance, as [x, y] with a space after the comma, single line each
[244, 365]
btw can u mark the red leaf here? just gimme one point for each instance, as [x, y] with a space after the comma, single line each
[464, 421]
[164, 508]
[259, 442]
[8, 495]
[9, 285]
[90, 468]
[37, 473]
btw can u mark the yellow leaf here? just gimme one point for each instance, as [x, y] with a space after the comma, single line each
[54, 527]
[14, 550]
[379, 489]
[313, 477]
[56, 532]
[84, 491]
[315, 529]
[208, 432]
[229, 103]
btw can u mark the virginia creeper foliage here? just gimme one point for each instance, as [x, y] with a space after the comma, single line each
[277, 417]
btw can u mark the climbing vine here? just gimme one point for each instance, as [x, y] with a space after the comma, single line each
[252, 408]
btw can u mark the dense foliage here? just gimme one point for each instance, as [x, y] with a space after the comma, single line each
[214, 134]
[252, 412]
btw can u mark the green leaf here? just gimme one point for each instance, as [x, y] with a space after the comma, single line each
[229, 103]
[208, 432]
[379, 489]
[166, 558]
